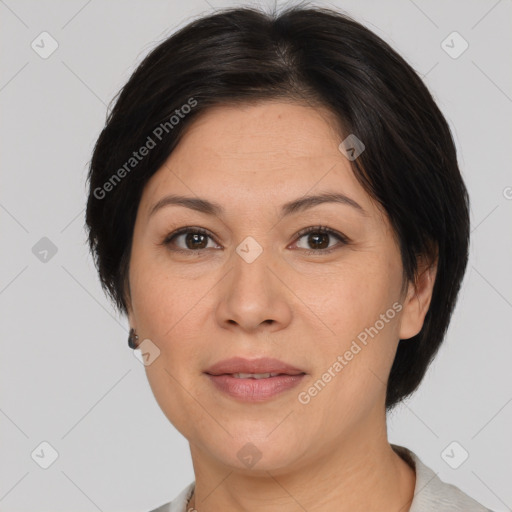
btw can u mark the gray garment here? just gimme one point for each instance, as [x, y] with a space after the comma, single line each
[430, 492]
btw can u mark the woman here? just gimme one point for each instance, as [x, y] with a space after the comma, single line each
[275, 203]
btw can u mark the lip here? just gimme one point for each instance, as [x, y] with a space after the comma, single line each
[260, 365]
[254, 390]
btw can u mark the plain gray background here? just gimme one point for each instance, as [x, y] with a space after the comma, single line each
[67, 375]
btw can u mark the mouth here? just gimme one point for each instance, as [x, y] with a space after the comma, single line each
[263, 367]
[255, 375]
[254, 380]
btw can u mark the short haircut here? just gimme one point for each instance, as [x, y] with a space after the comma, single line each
[318, 57]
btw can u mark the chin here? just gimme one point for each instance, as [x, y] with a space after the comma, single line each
[258, 454]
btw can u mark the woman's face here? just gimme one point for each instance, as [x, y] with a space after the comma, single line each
[254, 287]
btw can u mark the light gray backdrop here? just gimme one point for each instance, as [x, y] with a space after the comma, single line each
[67, 375]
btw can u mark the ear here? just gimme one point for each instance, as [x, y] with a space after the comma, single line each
[417, 300]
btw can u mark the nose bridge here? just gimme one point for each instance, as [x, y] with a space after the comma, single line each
[254, 295]
[251, 273]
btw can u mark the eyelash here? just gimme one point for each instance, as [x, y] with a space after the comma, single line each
[312, 229]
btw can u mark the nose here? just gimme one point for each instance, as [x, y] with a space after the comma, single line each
[253, 297]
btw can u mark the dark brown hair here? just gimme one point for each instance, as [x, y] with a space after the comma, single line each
[316, 56]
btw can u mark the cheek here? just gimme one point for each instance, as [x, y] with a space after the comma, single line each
[171, 311]
[350, 298]
[161, 299]
[166, 310]
[357, 310]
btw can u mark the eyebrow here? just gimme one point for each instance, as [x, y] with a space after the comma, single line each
[295, 206]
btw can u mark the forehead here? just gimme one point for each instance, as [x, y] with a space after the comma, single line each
[270, 150]
[270, 130]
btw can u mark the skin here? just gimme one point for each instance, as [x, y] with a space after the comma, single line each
[331, 454]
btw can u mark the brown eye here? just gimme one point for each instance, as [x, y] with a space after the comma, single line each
[196, 241]
[319, 240]
[188, 240]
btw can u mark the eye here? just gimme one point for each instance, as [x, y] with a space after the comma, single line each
[189, 239]
[318, 239]
[193, 240]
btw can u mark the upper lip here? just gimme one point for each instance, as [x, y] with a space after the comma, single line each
[261, 365]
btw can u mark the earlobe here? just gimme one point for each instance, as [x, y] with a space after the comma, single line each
[133, 339]
[417, 302]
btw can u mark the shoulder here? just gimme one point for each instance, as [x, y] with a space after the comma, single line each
[431, 493]
[179, 503]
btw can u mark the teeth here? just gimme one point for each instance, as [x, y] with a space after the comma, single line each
[254, 375]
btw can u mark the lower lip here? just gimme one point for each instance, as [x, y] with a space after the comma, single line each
[255, 390]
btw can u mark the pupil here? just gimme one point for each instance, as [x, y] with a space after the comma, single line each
[193, 237]
[314, 239]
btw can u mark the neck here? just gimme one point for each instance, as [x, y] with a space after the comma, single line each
[362, 473]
